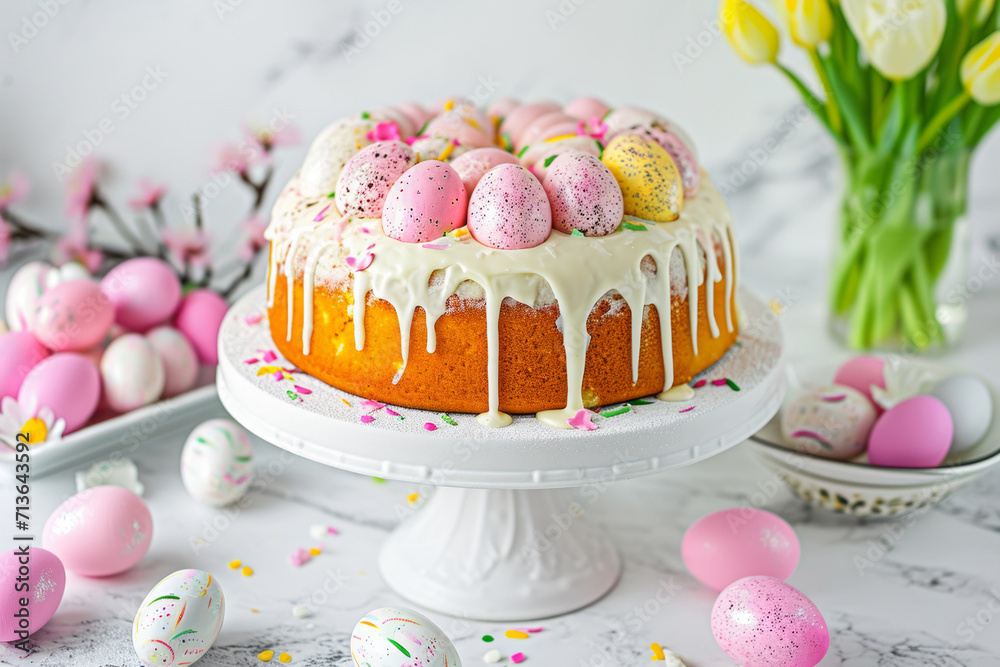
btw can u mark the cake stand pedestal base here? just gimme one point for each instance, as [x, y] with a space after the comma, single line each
[500, 555]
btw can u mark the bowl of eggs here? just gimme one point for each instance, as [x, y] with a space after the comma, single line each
[878, 436]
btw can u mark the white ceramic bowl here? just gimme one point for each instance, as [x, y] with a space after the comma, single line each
[855, 487]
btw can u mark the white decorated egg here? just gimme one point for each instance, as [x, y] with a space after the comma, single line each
[180, 362]
[970, 404]
[397, 637]
[832, 421]
[67, 272]
[217, 462]
[26, 288]
[179, 619]
[132, 373]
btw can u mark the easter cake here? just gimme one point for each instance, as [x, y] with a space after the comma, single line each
[525, 259]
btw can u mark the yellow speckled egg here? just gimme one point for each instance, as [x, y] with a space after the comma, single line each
[649, 178]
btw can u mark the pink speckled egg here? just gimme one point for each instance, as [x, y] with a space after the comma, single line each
[473, 165]
[199, 318]
[144, 291]
[72, 316]
[43, 588]
[180, 362]
[764, 622]
[861, 373]
[20, 351]
[367, 177]
[916, 433]
[66, 383]
[731, 544]
[509, 209]
[465, 124]
[539, 158]
[27, 286]
[675, 146]
[584, 195]
[425, 203]
[518, 120]
[102, 531]
[131, 373]
[585, 108]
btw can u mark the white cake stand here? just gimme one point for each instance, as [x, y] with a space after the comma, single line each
[502, 539]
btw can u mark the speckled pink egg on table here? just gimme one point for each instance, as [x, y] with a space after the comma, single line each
[26, 287]
[675, 146]
[465, 124]
[99, 532]
[764, 622]
[131, 373]
[144, 291]
[367, 177]
[66, 383]
[832, 421]
[916, 433]
[199, 318]
[473, 165]
[74, 315]
[425, 203]
[861, 373]
[518, 120]
[509, 209]
[20, 351]
[741, 542]
[42, 587]
[584, 195]
[585, 108]
[180, 362]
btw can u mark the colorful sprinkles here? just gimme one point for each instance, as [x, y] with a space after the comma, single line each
[430, 426]
[582, 421]
[515, 634]
[614, 413]
[487, 638]
[448, 420]
[688, 409]
[367, 419]
[634, 227]
[517, 658]
[699, 384]
[657, 651]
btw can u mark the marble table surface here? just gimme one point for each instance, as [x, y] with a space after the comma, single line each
[893, 593]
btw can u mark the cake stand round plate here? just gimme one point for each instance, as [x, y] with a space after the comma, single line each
[501, 539]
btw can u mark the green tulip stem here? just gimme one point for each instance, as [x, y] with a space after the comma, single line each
[831, 103]
[813, 102]
[942, 118]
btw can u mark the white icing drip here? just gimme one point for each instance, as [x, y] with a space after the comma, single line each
[574, 272]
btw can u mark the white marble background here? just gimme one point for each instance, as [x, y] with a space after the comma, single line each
[230, 61]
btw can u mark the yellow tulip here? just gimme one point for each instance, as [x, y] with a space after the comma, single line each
[810, 22]
[981, 71]
[900, 36]
[752, 35]
[985, 8]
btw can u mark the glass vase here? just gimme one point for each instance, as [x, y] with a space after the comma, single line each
[900, 276]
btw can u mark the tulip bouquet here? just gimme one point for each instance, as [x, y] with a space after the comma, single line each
[909, 89]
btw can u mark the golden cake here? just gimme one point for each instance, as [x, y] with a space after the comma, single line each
[523, 259]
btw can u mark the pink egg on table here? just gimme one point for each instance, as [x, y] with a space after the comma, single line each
[66, 383]
[585, 108]
[131, 373]
[199, 318]
[426, 202]
[102, 531]
[764, 622]
[43, 587]
[473, 165]
[502, 107]
[916, 433]
[509, 209]
[584, 195]
[26, 287]
[539, 158]
[20, 351]
[416, 113]
[861, 373]
[180, 362]
[72, 316]
[367, 177]
[520, 118]
[741, 542]
[539, 128]
[144, 291]
[465, 124]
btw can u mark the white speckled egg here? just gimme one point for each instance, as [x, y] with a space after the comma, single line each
[217, 462]
[970, 403]
[396, 637]
[179, 619]
[26, 287]
[832, 421]
[132, 373]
